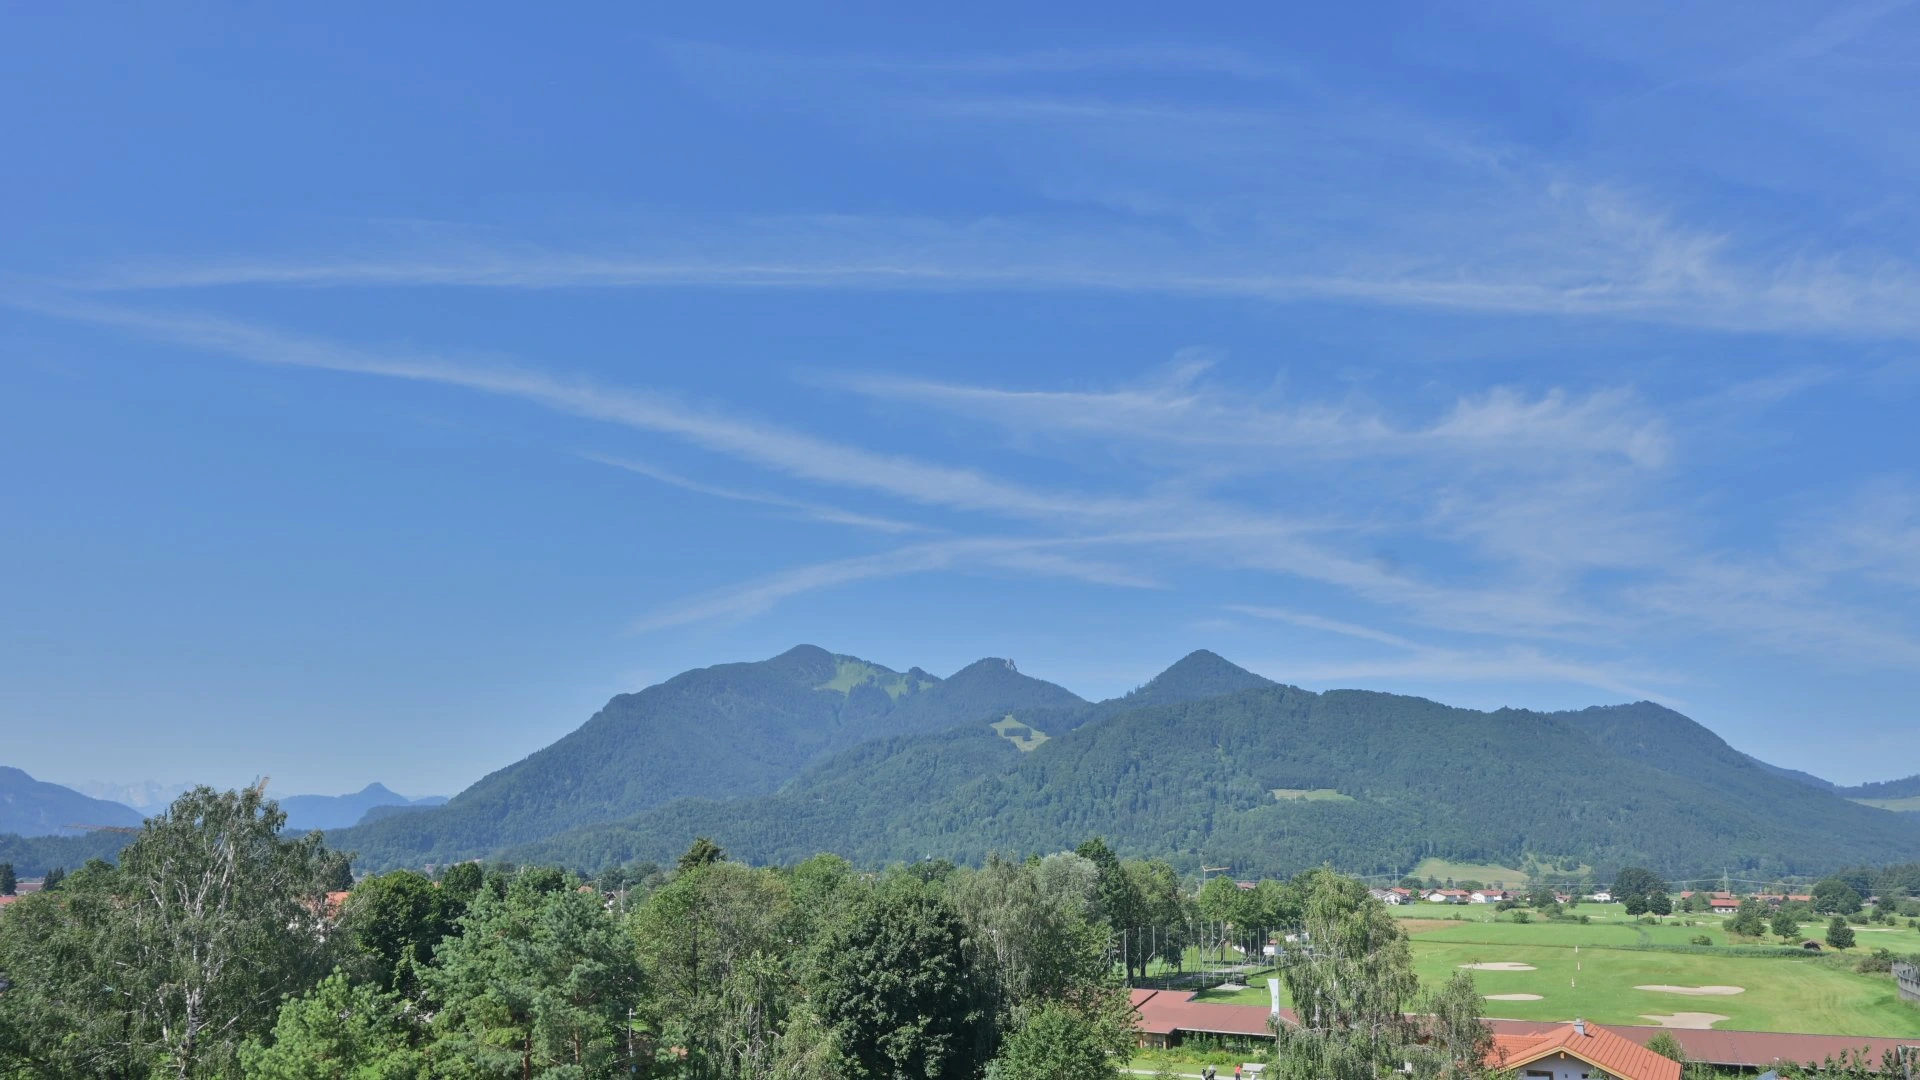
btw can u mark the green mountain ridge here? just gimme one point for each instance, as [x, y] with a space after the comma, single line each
[728, 731]
[1904, 788]
[1195, 779]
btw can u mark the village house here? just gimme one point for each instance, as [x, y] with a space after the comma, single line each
[1579, 1051]
[1488, 896]
[1602, 897]
[1725, 904]
[1445, 896]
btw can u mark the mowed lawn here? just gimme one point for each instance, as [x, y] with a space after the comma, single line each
[1591, 970]
[1780, 994]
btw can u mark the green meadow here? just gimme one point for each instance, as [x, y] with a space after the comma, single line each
[1595, 969]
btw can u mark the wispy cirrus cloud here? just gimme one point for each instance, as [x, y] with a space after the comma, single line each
[1503, 423]
[1415, 660]
[1023, 556]
[1503, 558]
[813, 511]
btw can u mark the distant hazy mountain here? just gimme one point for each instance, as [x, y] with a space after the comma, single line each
[308, 812]
[1273, 779]
[146, 796]
[30, 807]
[727, 731]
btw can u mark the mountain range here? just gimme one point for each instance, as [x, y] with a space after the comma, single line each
[30, 807]
[1272, 778]
[306, 813]
[1206, 764]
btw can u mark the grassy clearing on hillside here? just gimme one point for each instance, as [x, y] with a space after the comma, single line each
[1024, 736]
[849, 673]
[1910, 803]
[1286, 794]
[1505, 876]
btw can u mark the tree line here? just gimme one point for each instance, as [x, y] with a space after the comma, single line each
[221, 947]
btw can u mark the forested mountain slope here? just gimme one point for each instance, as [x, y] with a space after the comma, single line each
[1223, 779]
[30, 807]
[725, 731]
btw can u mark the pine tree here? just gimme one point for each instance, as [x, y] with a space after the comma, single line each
[7, 882]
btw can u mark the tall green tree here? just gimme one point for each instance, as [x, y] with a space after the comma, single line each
[704, 852]
[1056, 1042]
[1454, 1042]
[172, 960]
[1750, 920]
[1350, 978]
[7, 882]
[539, 981]
[1839, 934]
[1032, 936]
[340, 1030]
[1835, 896]
[1785, 926]
[1161, 914]
[397, 920]
[715, 943]
[893, 982]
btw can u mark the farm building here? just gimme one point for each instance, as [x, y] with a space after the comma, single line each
[1488, 896]
[1908, 976]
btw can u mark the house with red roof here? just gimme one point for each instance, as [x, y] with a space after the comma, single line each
[1445, 896]
[1723, 904]
[1578, 1051]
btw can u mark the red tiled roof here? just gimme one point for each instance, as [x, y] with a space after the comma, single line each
[5, 900]
[1736, 1049]
[1165, 1012]
[1590, 1043]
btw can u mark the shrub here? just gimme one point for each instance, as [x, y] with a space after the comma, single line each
[1701, 939]
[1522, 917]
[1878, 962]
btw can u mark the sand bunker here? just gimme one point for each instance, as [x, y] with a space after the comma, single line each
[1513, 997]
[1500, 965]
[1694, 1021]
[1696, 991]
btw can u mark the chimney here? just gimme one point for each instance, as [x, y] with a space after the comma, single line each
[1579, 1026]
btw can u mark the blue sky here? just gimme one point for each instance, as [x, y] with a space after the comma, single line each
[382, 392]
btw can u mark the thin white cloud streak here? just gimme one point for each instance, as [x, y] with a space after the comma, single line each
[1826, 296]
[767, 445]
[1179, 412]
[814, 511]
[1689, 588]
[1515, 662]
[1209, 531]
[762, 594]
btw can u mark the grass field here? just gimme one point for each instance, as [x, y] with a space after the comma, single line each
[1505, 876]
[1594, 969]
[1910, 803]
[1294, 794]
